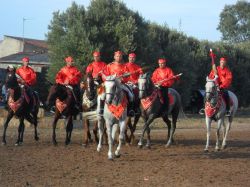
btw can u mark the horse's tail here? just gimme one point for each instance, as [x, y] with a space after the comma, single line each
[179, 104]
[235, 102]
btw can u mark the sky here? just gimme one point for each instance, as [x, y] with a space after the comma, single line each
[197, 18]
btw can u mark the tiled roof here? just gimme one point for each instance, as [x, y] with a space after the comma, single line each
[38, 43]
[34, 57]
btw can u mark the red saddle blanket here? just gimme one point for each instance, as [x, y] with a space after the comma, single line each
[148, 101]
[60, 105]
[117, 110]
[212, 110]
[15, 105]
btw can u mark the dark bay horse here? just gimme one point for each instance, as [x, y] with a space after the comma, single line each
[21, 106]
[147, 90]
[63, 98]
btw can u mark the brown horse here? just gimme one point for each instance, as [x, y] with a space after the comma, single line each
[21, 105]
[63, 98]
[89, 105]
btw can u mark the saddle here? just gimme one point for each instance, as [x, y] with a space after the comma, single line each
[148, 101]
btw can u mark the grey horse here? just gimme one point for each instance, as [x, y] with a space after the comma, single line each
[212, 97]
[114, 95]
[146, 89]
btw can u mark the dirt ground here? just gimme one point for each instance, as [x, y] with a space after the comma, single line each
[183, 164]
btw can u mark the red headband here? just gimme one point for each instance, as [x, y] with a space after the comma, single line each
[26, 59]
[223, 59]
[162, 60]
[69, 59]
[132, 55]
[96, 53]
[118, 53]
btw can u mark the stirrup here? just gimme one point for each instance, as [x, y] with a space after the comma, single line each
[131, 113]
[228, 113]
[202, 111]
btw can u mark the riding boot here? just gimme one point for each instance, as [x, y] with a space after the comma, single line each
[227, 101]
[164, 91]
[202, 110]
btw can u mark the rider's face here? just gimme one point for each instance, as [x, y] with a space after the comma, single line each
[223, 63]
[96, 58]
[118, 58]
[162, 65]
[131, 59]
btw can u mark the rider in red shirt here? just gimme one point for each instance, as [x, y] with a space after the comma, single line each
[134, 69]
[70, 75]
[118, 68]
[97, 66]
[159, 75]
[224, 81]
[27, 77]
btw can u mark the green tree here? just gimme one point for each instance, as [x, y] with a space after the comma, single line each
[235, 22]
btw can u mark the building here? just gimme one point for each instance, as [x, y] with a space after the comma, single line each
[13, 49]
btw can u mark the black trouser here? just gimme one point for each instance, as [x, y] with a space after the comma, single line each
[164, 92]
[227, 99]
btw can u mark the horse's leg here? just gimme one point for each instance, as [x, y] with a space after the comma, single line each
[208, 124]
[110, 140]
[95, 129]
[22, 133]
[170, 129]
[86, 133]
[9, 117]
[128, 125]
[132, 136]
[69, 129]
[100, 123]
[33, 120]
[148, 145]
[228, 126]
[121, 138]
[20, 130]
[145, 127]
[56, 118]
[114, 132]
[220, 122]
[175, 114]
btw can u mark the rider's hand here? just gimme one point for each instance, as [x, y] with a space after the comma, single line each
[157, 85]
[66, 82]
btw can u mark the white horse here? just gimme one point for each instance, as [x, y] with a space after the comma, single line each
[115, 112]
[215, 108]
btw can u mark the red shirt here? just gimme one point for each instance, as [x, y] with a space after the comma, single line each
[135, 71]
[118, 69]
[163, 73]
[68, 74]
[95, 68]
[224, 77]
[27, 74]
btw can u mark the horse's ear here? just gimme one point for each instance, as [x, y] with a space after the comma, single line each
[215, 77]
[207, 79]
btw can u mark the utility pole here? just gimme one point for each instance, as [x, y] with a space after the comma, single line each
[24, 19]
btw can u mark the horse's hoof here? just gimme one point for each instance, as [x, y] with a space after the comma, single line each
[117, 155]
[224, 147]
[140, 146]
[205, 150]
[67, 142]
[148, 146]
[4, 143]
[54, 143]
[36, 138]
[167, 145]
[98, 149]
[17, 144]
[84, 145]
[91, 141]
[110, 158]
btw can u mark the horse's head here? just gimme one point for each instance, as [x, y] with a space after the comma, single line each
[144, 85]
[111, 85]
[210, 89]
[56, 91]
[90, 87]
[11, 80]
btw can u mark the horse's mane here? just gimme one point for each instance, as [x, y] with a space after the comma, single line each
[11, 80]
